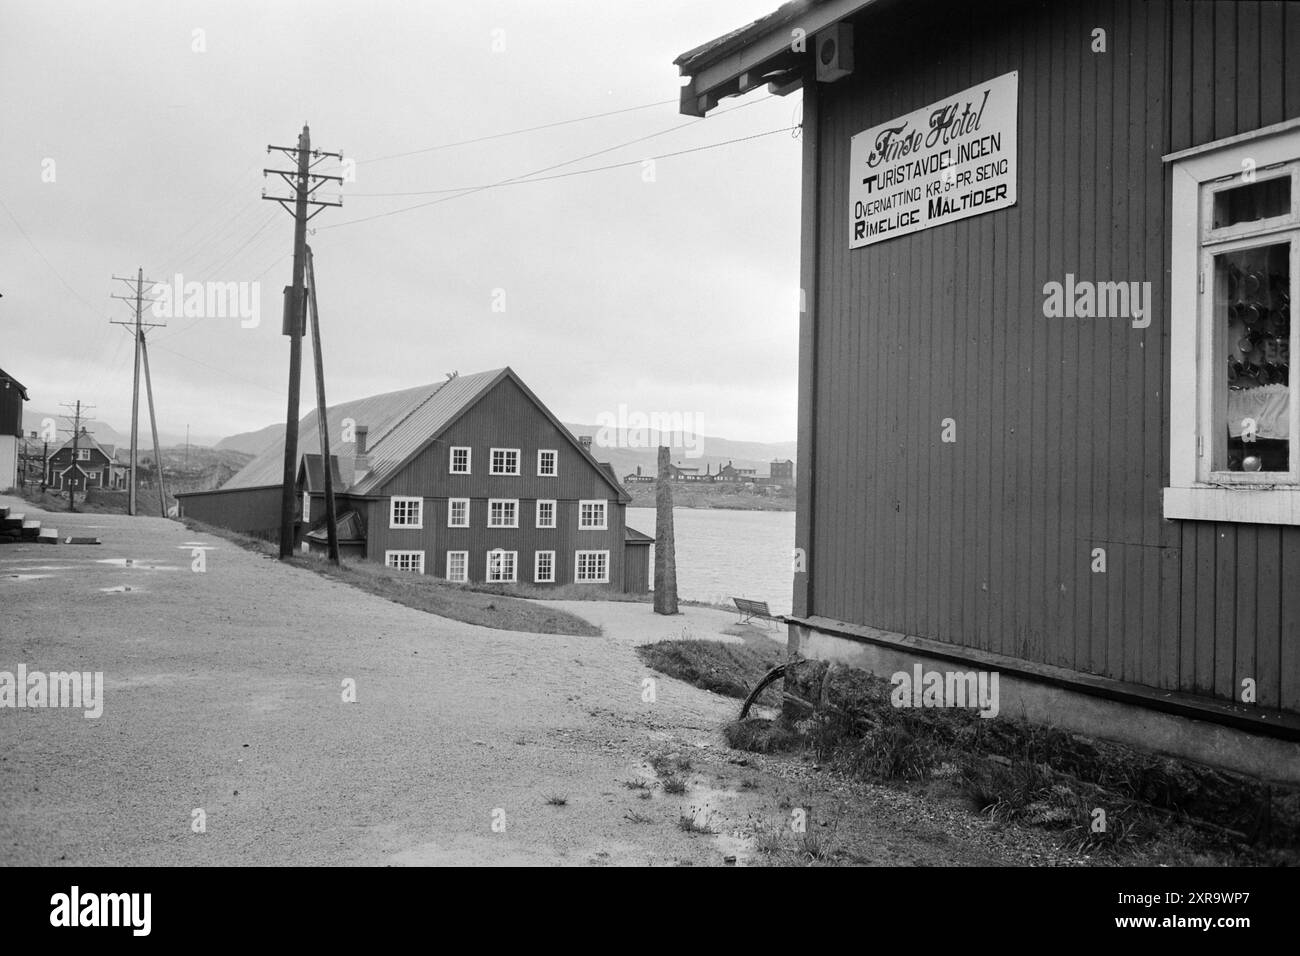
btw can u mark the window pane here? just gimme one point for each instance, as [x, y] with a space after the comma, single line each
[1253, 329]
[1260, 200]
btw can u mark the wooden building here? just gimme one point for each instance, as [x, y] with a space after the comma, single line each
[471, 479]
[1049, 256]
[12, 396]
[88, 466]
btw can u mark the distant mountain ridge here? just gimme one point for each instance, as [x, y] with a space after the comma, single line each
[106, 434]
[714, 452]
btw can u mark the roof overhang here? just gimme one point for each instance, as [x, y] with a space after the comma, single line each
[761, 53]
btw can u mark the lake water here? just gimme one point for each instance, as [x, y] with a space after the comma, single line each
[726, 554]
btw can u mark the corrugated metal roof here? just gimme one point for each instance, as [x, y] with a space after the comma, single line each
[633, 536]
[399, 425]
[398, 422]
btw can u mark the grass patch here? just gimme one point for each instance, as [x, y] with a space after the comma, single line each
[727, 669]
[425, 593]
[1154, 808]
[556, 800]
[674, 785]
[761, 736]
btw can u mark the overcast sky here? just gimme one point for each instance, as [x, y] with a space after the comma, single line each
[668, 288]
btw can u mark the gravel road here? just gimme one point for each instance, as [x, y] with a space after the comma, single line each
[224, 692]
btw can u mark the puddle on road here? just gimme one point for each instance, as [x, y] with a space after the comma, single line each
[46, 567]
[26, 577]
[137, 565]
[121, 588]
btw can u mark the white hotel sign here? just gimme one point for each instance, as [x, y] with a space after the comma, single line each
[943, 162]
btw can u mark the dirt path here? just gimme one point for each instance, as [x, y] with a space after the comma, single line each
[223, 692]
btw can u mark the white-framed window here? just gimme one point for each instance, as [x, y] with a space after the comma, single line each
[544, 567]
[501, 565]
[83, 454]
[591, 567]
[503, 512]
[461, 458]
[457, 512]
[1235, 265]
[547, 462]
[405, 560]
[306, 506]
[505, 461]
[405, 512]
[458, 566]
[593, 515]
[545, 513]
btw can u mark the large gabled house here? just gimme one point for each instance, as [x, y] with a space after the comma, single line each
[87, 466]
[471, 479]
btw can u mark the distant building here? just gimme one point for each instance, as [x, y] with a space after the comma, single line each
[90, 465]
[471, 479]
[782, 471]
[12, 395]
[729, 472]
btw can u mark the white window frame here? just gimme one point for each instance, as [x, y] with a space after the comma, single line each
[451, 510]
[503, 501]
[555, 463]
[537, 562]
[391, 556]
[577, 564]
[393, 523]
[492, 462]
[554, 512]
[1195, 492]
[464, 567]
[604, 514]
[83, 454]
[306, 507]
[514, 567]
[469, 460]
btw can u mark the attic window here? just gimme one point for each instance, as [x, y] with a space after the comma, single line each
[460, 459]
[83, 454]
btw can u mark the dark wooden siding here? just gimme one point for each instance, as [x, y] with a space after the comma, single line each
[252, 510]
[504, 418]
[1062, 424]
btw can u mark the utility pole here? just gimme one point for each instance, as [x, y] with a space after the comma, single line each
[76, 444]
[140, 326]
[322, 420]
[303, 183]
[153, 423]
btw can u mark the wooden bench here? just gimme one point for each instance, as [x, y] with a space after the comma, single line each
[749, 610]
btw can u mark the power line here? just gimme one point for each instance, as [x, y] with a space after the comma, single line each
[514, 132]
[534, 178]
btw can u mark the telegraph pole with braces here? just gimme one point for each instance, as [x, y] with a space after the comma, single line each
[140, 299]
[303, 183]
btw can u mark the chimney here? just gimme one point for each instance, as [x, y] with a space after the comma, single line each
[361, 464]
[638, 471]
[585, 441]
